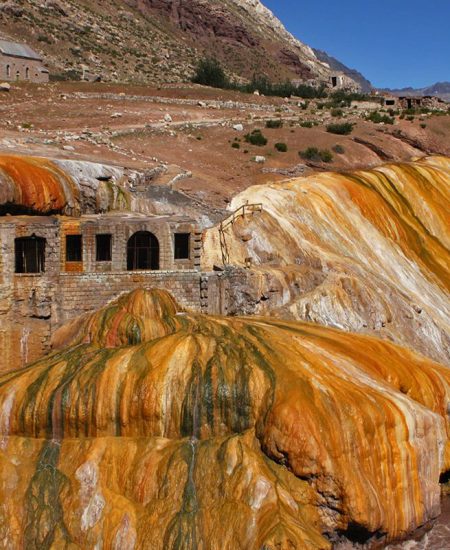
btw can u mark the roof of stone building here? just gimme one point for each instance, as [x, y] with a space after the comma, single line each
[18, 50]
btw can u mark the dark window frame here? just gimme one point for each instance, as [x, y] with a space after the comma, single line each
[143, 252]
[103, 250]
[74, 248]
[29, 254]
[182, 250]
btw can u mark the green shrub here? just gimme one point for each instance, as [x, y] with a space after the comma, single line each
[236, 145]
[317, 155]
[423, 126]
[210, 73]
[274, 123]
[281, 147]
[410, 118]
[307, 124]
[339, 149]
[256, 138]
[311, 153]
[342, 129]
[337, 112]
[326, 156]
[378, 118]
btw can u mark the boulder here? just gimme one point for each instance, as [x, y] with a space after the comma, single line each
[238, 127]
[5, 87]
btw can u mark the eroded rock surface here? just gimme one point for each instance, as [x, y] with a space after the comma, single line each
[156, 428]
[365, 251]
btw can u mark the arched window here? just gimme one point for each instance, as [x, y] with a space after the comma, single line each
[30, 254]
[142, 251]
[8, 70]
[27, 73]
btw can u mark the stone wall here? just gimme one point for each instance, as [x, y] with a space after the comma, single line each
[34, 305]
[17, 68]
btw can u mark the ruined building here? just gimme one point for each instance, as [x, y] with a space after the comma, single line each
[20, 62]
[70, 242]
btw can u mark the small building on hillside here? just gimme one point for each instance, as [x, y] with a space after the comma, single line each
[20, 62]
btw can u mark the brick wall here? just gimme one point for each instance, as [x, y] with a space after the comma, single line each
[22, 69]
[32, 306]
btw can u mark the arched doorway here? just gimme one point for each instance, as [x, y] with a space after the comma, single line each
[142, 252]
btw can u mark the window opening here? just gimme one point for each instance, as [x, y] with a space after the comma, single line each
[74, 248]
[142, 251]
[181, 246]
[103, 247]
[30, 254]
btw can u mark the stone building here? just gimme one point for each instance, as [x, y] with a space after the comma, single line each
[20, 62]
[55, 268]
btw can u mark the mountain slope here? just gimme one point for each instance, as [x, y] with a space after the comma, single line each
[156, 40]
[336, 65]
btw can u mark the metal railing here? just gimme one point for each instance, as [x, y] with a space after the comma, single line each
[241, 212]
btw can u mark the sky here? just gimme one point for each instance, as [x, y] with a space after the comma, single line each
[394, 43]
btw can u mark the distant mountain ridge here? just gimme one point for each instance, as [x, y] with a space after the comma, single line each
[440, 89]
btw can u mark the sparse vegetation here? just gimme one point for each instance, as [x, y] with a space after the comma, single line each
[337, 112]
[278, 123]
[378, 118]
[339, 149]
[256, 138]
[342, 129]
[210, 73]
[307, 124]
[281, 147]
[236, 145]
[317, 155]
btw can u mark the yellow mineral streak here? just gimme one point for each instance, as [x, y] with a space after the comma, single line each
[218, 433]
[378, 239]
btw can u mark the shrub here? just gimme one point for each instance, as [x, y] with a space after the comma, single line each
[339, 149]
[311, 153]
[326, 156]
[307, 124]
[337, 112]
[378, 118]
[410, 118]
[423, 126]
[210, 73]
[256, 138]
[274, 123]
[343, 129]
[281, 147]
[236, 145]
[317, 155]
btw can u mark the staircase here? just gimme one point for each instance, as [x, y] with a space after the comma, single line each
[241, 212]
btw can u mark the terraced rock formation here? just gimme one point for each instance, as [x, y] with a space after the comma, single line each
[156, 428]
[366, 251]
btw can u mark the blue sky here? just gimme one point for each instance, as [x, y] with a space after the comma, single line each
[394, 43]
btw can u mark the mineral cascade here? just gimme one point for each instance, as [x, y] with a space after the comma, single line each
[152, 427]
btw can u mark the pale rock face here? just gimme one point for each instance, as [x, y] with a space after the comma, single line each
[363, 252]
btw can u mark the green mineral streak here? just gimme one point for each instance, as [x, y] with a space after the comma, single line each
[181, 532]
[44, 516]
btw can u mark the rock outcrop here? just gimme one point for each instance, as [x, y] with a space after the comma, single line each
[42, 186]
[157, 428]
[364, 251]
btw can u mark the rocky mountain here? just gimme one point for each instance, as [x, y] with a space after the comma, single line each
[440, 89]
[336, 65]
[156, 40]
